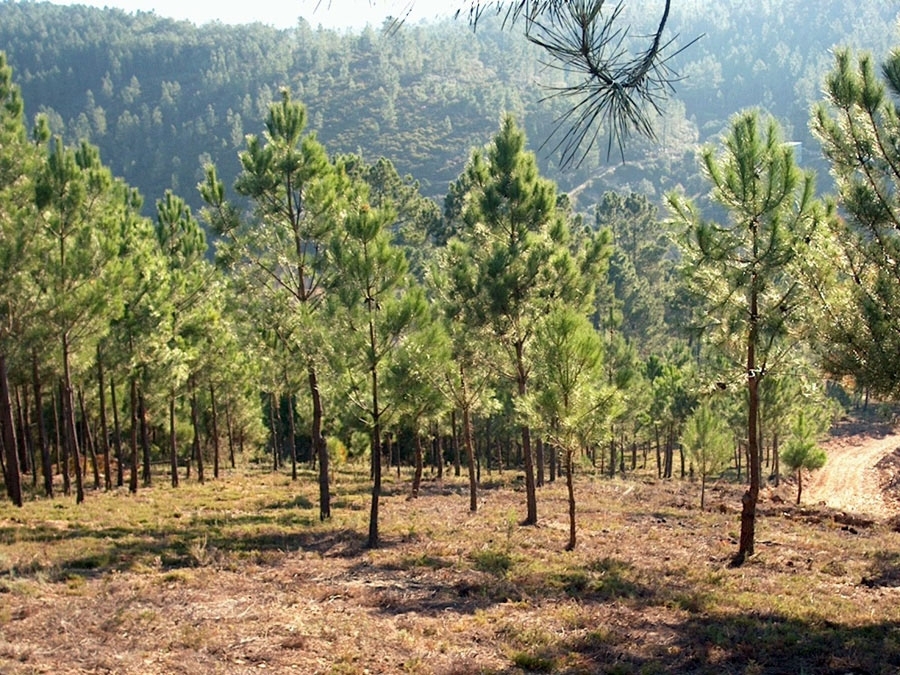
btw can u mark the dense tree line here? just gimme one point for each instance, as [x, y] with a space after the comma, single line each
[336, 311]
[160, 97]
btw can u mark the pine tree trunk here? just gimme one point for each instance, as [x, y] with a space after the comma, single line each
[292, 432]
[570, 488]
[539, 451]
[454, 439]
[554, 451]
[12, 475]
[34, 451]
[373, 539]
[319, 446]
[195, 422]
[273, 428]
[146, 471]
[215, 433]
[229, 422]
[90, 448]
[173, 440]
[417, 476]
[46, 461]
[104, 422]
[60, 449]
[133, 438]
[470, 457]
[751, 496]
[530, 489]
[26, 461]
[69, 420]
[117, 431]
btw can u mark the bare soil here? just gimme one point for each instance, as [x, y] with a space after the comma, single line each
[861, 472]
[238, 576]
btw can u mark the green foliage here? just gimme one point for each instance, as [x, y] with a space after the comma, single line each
[708, 442]
[859, 127]
[802, 450]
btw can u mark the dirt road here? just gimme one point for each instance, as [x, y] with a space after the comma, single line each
[850, 481]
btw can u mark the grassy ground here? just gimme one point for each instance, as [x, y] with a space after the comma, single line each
[238, 576]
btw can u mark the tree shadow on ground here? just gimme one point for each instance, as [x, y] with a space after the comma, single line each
[721, 644]
[200, 541]
[431, 586]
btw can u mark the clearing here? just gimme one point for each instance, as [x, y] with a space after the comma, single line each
[237, 576]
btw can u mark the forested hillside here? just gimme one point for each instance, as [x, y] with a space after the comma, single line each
[160, 97]
[227, 246]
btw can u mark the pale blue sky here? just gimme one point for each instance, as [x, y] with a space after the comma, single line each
[283, 13]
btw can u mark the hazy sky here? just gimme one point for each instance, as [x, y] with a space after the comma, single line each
[283, 13]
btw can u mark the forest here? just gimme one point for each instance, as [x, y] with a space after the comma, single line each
[303, 252]
[318, 307]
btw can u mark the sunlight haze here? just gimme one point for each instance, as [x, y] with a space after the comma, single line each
[339, 14]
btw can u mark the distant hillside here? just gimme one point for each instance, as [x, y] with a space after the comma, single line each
[160, 97]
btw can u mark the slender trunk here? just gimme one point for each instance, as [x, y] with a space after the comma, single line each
[751, 496]
[145, 439]
[215, 433]
[454, 440]
[658, 453]
[612, 455]
[417, 476]
[59, 449]
[530, 490]
[776, 459]
[133, 438]
[229, 423]
[554, 451]
[292, 432]
[195, 421]
[33, 450]
[389, 451]
[799, 485]
[703, 490]
[89, 439]
[373, 539]
[46, 462]
[438, 445]
[173, 440]
[26, 461]
[117, 431]
[104, 422]
[539, 451]
[273, 428]
[12, 475]
[69, 419]
[470, 458]
[570, 487]
[320, 448]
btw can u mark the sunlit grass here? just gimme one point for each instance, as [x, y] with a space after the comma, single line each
[646, 554]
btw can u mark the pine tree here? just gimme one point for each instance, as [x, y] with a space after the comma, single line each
[507, 247]
[379, 308]
[748, 273]
[859, 127]
[279, 252]
[19, 248]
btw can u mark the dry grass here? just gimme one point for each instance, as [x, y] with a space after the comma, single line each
[238, 576]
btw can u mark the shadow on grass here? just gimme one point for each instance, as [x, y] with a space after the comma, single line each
[715, 644]
[417, 585]
[199, 542]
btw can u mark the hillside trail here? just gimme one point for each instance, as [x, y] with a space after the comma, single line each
[851, 479]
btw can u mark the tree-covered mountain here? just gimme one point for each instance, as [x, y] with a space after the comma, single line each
[160, 97]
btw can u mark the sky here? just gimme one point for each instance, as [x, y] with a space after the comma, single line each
[339, 14]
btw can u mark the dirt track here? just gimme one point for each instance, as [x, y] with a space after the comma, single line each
[850, 480]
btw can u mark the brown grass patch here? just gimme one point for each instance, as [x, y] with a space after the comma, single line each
[238, 576]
